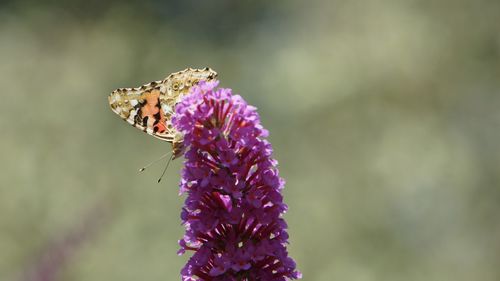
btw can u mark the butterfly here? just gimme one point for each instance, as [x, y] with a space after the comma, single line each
[150, 107]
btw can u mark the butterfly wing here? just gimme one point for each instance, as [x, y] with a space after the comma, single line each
[141, 108]
[178, 84]
[150, 107]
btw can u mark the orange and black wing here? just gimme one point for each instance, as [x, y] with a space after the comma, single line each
[151, 106]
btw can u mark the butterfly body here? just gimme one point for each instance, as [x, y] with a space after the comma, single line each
[151, 106]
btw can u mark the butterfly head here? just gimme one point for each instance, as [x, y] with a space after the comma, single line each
[178, 145]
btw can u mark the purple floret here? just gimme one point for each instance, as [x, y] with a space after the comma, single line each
[234, 207]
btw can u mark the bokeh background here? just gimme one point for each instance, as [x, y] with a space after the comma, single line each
[384, 116]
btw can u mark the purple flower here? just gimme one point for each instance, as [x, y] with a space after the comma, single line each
[234, 207]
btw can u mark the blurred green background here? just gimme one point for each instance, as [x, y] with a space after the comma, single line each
[383, 115]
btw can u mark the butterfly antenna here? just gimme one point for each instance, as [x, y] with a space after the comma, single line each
[163, 156]
[166, 167]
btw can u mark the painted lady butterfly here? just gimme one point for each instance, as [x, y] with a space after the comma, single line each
[150, 107]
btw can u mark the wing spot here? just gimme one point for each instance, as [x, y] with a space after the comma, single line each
[157, 118]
